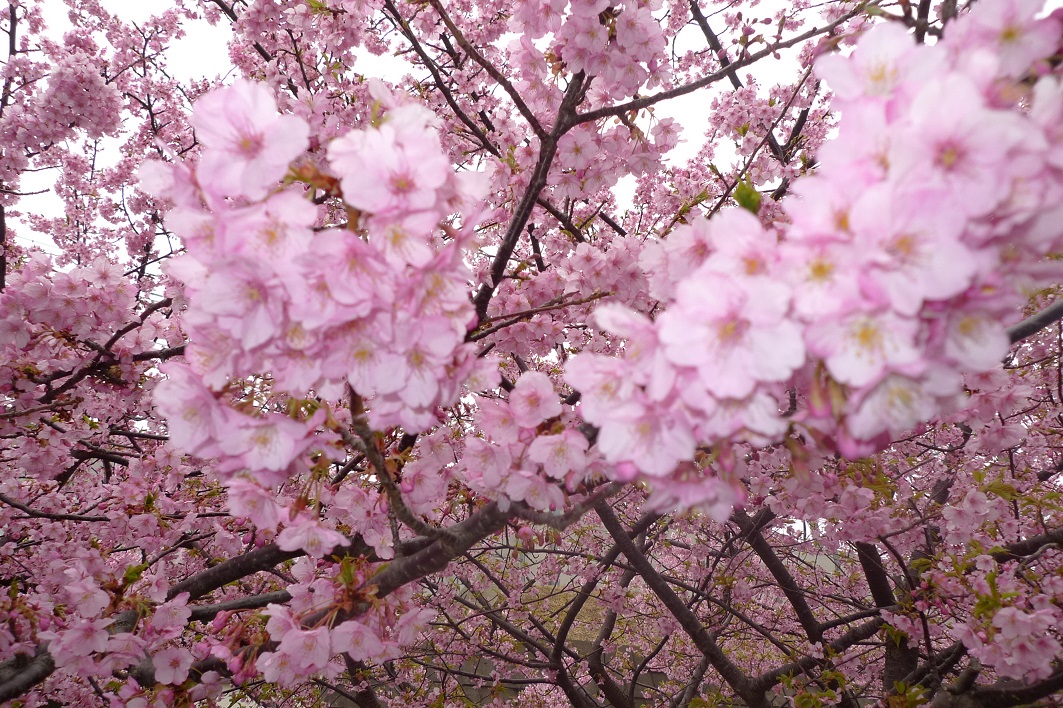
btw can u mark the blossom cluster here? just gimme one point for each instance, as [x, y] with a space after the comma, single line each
[1015, 643]
[77, 96]
[899, 264]
[322, 263]
[301, 650]
[376, 304]
[52, 325]
[520, 459]
[621, 44]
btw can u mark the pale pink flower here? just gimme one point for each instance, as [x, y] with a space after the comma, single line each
[85, 594]
[407, 241]
[823, 276]
[426, 346]
[281, 620]
[881, 62]
[860, 347]
[952, 140]
[412, 623]
[277, 230]
[244, 297]
[308, 534]
[911, 248]
[393, 170]
[694, 490]
[1009, 29]
[734, 331]
[669, 261]
[172, 665]
[754, 419]
[309, 649]
[80, 638]
[975, 339]
[742, 245]
[605, 385]
[423, 488]
[642, 349]
[253, 502]
[248, 144]
[263, 445]
[898, 402]
[170, 618]
[533, 400]
[194, 416]
[278, 667]
[534, 490]
[655, 440]
[487, 464]
[559, 454]
[169, 180]
[356, 640]
[484, 375]
[963, 520]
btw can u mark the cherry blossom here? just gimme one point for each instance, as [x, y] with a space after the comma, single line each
[501, 381]
[248, 145]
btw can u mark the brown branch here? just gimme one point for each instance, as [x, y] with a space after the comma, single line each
[1035, 323]
[727, 669]
[491, 70]
[647, 101]
[1029, 546]
[36, 514]
[205, 613]
[547, 149]
[794, 594]
[513, 317]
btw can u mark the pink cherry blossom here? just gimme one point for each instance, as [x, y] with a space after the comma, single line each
[172, 665]
[533, 400]
[249, 146]
[733, 331]
[356, 640]
[309, 649]
[404, 172]
[308, 534]
[559, 454]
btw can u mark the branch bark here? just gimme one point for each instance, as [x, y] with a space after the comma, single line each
[735, 678]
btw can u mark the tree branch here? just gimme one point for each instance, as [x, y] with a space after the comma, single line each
[647, 101]
[730, 672]
[1035, 323]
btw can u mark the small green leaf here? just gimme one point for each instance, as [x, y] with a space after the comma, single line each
[747, 196]
[133, 573]
[922, 564]
[1003, 490]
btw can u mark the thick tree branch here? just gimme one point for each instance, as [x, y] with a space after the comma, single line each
[730, 672]
[794, 594]
[1035, 323]
[1029, 546]
[640, 103]
[547, 150]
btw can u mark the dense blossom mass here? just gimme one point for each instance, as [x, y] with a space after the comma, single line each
[475, 387]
